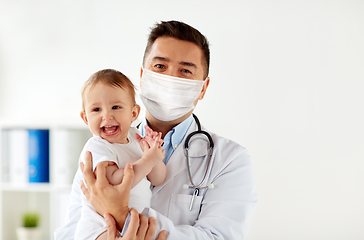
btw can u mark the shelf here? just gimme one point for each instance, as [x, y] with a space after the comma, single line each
[18, 195]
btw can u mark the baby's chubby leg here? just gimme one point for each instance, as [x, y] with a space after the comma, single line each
[113, 174]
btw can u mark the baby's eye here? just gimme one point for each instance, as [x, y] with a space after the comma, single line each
[116, 107]
[96, 109]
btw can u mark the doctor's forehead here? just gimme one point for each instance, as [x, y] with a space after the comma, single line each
[168, 49]
[174, 46]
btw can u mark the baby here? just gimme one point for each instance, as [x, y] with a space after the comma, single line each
[109, 109]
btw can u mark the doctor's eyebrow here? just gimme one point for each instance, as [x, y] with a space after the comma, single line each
[163, 59]
[189, 64]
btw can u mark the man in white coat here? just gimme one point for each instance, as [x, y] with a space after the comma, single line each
[174, 78]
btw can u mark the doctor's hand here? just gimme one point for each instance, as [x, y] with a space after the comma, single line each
[139, 228]
[103, 196]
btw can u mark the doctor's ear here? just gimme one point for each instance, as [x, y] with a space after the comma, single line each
[141, 74]
[84, 116]
[204, 88]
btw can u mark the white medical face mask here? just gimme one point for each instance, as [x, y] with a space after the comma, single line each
[168, 98]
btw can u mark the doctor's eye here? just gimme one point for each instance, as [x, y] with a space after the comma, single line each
[159, 66]
[186, 71]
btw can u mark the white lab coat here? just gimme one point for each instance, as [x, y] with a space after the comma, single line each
[224, 212]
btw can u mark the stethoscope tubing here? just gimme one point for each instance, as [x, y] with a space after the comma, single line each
[209, 165]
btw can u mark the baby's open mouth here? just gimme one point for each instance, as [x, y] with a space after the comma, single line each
[110, 129]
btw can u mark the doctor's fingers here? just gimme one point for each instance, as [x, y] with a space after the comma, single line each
[143, 226]
[111, 227]
[128, 178]
[162, 235]
[133, 226]
[85, 190]
[152, 227]
[101, 181]
[86, 168]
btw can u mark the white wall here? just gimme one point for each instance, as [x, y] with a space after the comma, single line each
[286, 82]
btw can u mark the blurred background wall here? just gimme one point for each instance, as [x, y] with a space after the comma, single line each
[287, 83]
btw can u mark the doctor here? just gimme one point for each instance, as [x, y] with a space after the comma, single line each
[174, 78]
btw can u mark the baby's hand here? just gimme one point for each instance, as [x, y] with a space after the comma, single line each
[151, 136]
[155, 152]
[149, 139]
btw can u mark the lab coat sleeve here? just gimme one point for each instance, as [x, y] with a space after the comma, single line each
[227, 210]
[82, 221]
[67, 231]
[91, 224]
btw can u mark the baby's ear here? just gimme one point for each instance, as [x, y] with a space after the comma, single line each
[135, 112]
[84, 116]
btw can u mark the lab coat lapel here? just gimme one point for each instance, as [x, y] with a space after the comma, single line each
[177, 162]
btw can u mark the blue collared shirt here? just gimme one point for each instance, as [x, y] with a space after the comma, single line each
[173, 138]
[171, 141]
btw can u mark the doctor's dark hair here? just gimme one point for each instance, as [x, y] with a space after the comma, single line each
[109, 77]
[180, 31]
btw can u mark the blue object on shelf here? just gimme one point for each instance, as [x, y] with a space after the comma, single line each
[38, 155]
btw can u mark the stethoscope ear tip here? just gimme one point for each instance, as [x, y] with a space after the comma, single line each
[211, 186]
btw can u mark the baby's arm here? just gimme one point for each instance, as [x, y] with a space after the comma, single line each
[158, 173]
[150, 164]
[147, 165]
[113, 174]
[151, 159]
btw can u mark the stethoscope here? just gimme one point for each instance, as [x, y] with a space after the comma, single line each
[199, 186]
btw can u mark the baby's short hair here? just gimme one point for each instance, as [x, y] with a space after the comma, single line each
[112, 78]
